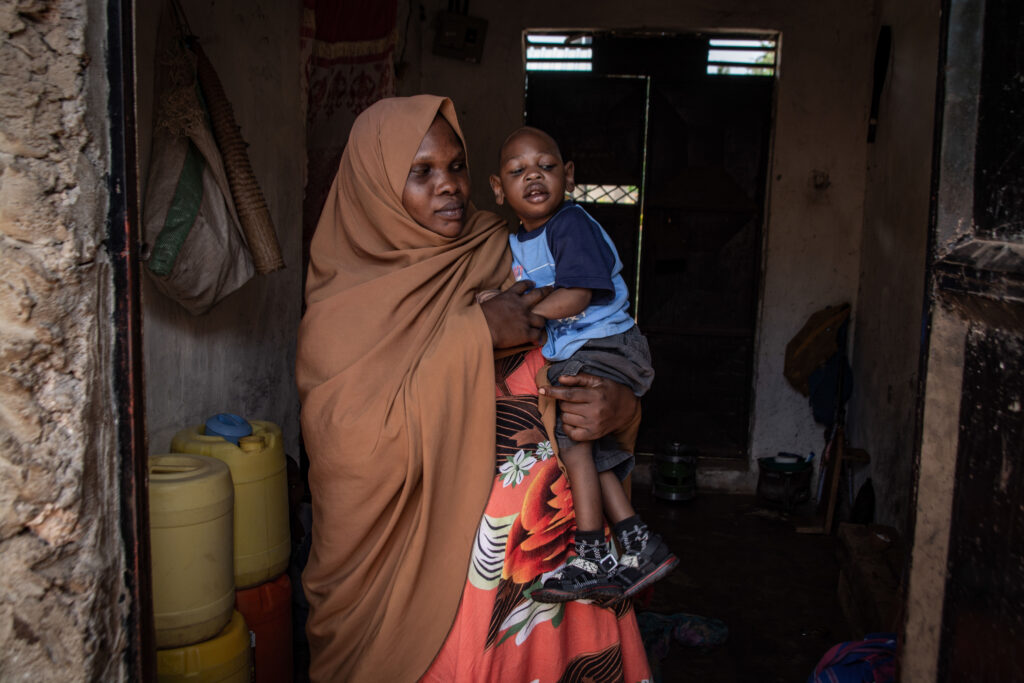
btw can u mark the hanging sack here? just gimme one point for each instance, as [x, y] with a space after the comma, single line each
[194, 248]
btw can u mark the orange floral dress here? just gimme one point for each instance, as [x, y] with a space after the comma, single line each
[526, 533]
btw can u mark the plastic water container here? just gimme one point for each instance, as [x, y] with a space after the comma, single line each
[223, 659]
[262, 539]
[191, 499]
[267, 609]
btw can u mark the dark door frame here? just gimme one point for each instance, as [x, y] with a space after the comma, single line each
[974, 297]
[122, 245]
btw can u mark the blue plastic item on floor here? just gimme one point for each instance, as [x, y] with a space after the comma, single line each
[872, 660]
[228, 426]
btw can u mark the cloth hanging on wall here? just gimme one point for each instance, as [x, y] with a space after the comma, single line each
[816, 363]
[347, 52]
[812, 346]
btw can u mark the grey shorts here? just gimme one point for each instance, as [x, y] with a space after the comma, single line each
[624, 358]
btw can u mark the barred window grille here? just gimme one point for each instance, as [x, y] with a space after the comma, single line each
[741, 57]
[606, 194]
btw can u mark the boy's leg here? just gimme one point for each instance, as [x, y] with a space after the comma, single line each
[587, 574]
[645, 556]
[616, 504]
[586, 488]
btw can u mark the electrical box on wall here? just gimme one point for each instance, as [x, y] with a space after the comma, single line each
[460, 36]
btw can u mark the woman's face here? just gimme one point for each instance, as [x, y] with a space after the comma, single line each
[437, 189]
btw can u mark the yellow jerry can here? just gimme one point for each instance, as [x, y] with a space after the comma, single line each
[223, 659]
[191, 500]
[262, 537]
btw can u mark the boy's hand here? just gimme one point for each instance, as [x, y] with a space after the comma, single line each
[510, 318]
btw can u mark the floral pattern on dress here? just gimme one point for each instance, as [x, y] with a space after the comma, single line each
[516, 467]
[526, 533]
[540, 535]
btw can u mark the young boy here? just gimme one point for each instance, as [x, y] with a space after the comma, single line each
[589, 330]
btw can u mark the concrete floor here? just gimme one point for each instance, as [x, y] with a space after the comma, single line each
[745, 565]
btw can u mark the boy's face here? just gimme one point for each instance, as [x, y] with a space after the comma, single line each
[532, 178]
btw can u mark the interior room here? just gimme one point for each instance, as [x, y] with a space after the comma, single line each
[807, 214]
[818, 211]
[814, 245]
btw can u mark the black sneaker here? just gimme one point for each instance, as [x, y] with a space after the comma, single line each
[636, 571]
[580, 579]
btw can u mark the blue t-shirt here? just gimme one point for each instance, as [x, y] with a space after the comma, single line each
[573, 250]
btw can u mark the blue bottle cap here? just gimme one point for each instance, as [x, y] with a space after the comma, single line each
[230, 427]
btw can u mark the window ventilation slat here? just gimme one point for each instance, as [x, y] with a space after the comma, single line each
[741, 57]
[559, 52]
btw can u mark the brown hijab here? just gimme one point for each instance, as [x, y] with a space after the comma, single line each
[396, 376]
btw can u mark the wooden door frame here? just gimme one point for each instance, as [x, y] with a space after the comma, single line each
[956, 117]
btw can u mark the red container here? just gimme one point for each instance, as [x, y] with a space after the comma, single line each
[267, 609]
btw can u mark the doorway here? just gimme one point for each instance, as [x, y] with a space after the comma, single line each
[670, 135]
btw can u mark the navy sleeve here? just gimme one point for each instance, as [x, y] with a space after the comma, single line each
[582, 257]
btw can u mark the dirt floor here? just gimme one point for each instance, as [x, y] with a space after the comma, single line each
[746, 566]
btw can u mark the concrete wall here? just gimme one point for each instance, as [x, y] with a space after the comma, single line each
[240, 356]
[812, 240]
[61, 560]
[888, 318]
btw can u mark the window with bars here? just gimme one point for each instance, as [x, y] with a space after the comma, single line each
[606, 194]
[559, 52]
[741, 57]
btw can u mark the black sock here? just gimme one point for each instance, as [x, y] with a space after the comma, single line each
[632, 534]
[591, 545]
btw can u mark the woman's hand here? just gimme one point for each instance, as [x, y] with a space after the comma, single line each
[593, 406]
[510, 318]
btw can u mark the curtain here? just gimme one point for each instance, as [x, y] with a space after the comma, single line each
[347, 49]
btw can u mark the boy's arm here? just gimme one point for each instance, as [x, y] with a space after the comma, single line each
[564, 302]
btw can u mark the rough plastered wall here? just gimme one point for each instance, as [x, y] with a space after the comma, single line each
[61, 560]
[239, 357]
[888, 318]
[812, 240]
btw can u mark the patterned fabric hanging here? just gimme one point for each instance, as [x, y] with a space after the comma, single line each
[347, 52]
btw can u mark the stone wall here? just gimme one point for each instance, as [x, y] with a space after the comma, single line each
[62, 596]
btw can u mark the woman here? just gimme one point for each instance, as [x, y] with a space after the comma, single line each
[397, 378]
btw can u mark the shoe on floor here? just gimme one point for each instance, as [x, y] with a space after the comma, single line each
[580, 579]
[637, 571]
